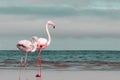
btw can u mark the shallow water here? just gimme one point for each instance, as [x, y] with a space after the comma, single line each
[64, 60]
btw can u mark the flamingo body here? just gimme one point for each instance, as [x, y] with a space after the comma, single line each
[25, 46]
[42, 43]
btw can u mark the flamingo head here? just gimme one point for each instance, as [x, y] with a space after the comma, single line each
[35, 38]
[51, 23]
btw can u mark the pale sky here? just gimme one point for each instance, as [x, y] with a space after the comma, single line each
[80, 24]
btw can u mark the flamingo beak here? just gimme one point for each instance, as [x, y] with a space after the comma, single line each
[54, 27]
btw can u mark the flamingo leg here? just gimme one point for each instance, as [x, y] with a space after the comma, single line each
[25, 64]
[39, 62]
[20, 67]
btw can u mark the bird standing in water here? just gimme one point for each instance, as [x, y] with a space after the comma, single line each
[42, 43]
[26, 46]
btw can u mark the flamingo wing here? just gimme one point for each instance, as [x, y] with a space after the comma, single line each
[24, 45]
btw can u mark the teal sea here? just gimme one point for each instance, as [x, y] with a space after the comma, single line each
[64, 59]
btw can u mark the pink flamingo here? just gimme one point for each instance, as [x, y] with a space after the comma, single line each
[26, 46]
[42, 43]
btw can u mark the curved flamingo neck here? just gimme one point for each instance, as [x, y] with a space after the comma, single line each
[34, 47]
[49, 37]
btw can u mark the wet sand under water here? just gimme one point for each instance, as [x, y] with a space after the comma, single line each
[11, 74]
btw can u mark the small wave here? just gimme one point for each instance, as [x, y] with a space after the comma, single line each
[74, 59]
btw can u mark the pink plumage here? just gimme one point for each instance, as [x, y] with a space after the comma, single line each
[26, 46]
[43, 43]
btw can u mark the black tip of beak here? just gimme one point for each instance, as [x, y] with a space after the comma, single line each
[54, 27]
